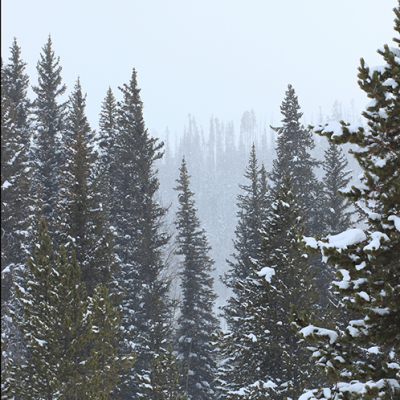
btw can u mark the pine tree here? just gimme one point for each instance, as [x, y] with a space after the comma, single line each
[363, 360]
[137, 218]
[196, 322]
[106, 143]
[16, 221]
[82, 213]
[74, 328]
[106, 366]
[164, 381]
[265, 352]
[49, 119]
[293, 158]
[253, 204]
[15, 205]
[37, 376]
[338, 216]
[16, 84]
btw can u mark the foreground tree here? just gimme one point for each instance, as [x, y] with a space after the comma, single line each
[70, 342]
[16, 84]
[165, 378]
[197, 321]
[253, 205]
[265, 353]
[363, 360]
[137, 218]
[82, 216]
[293, 159]
[337, 214]
[49, 121]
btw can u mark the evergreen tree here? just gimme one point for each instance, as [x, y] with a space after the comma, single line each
[50, 119]
[265, 352]
[137, 218]
[337, 214]
[164, 381]
[106, 140]
[16, 222]
[253, 206]
[196, 322]
[16, 84]
[106, 366]
[15, 204]
[293, 158]
[82, 214]
[74, 328]
[363, 360]
[37, 376]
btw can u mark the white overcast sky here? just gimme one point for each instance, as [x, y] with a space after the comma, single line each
[206, 57]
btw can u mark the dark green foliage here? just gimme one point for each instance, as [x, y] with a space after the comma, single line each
[74, 329]
[37, 376]
[49, 119]
[105, 364]
[16, 84]
[137, 218]
[71, 343]
[366, 356]
[82, 213]
[337, 214]
[253, 204]
[164, 381]
[15, 204]
[196, 322]
[265, 349]
[293, 159]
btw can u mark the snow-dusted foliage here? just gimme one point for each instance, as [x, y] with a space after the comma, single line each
[196, 322]
[363, 360]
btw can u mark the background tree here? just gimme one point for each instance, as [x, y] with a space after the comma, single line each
[196, 322]
[363, 360]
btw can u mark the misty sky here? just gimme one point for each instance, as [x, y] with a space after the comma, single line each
[219, 57]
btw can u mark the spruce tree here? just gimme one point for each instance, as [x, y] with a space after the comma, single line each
[165, 377]
[49, 121]
[363, 360]
[15, 204]
[16, 221]
[253, 204]
[293, 158]
[74, 328]
[37, 376]
[137, 218]
[106, 365]
[265, 352]
[82, 212]
[16, 84]
[337, 214]
[196, 322]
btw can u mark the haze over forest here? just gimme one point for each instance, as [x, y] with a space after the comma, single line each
[241, 256]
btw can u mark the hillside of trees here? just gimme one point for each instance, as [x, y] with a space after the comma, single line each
[251, 262]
